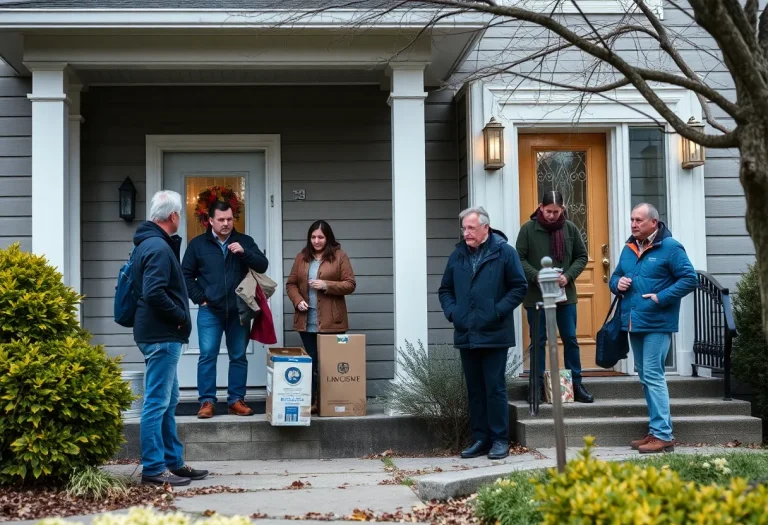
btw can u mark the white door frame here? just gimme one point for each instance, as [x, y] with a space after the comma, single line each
[546, 110]
[157, 145]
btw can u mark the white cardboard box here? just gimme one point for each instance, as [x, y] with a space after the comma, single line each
[289, 387]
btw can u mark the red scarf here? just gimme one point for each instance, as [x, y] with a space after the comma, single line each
[556, 235]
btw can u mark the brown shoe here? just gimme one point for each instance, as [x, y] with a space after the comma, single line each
[640, 442]
[656, 445]
[239, 408]
[206, 411]
[313, 410]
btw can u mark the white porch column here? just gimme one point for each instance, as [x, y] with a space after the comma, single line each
[50, 165]
[75, 120]
[409, 205]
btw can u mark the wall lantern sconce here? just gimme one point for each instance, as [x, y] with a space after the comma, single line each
[693, 154]
[127, 200]
[493, 138]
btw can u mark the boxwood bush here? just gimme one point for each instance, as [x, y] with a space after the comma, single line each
[60, 397]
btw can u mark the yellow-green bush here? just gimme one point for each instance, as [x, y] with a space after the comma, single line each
[594, 491]
[146, 516]
[60, 398]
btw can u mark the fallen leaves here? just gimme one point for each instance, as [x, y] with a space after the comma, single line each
[34, 504]
[451, 512]
[298, 485]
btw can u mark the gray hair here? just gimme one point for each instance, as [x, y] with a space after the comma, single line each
[650, 210]
[164, 204]
[482, 215]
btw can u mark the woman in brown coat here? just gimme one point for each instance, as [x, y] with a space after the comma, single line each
[320, 278]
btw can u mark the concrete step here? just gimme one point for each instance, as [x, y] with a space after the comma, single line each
[720, 429]
[629, 387]
[256, 398]
[610, 408]
[244, 438]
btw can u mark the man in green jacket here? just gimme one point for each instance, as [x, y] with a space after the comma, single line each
[550, 234]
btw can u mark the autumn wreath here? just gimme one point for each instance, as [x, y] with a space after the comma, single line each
[210, 195]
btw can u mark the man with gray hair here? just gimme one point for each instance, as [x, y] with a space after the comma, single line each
[482, 285]
[162, 324]
[652, 276]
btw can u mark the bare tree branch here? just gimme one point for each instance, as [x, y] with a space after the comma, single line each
[751, 11]
[763, 34]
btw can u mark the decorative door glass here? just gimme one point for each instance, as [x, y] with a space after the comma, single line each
[566, 172]
[194, 184]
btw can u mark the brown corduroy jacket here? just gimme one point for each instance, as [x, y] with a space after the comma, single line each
[331, 306]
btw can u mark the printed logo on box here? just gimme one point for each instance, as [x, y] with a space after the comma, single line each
[291, 414]
[342, 339]
[293, 375]
[342, 367]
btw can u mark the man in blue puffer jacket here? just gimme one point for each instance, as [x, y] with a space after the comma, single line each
[653, 275]
[482, 285]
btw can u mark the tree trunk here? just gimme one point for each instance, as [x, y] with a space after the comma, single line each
[754, 179]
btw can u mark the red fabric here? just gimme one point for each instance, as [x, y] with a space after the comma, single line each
[263, 329]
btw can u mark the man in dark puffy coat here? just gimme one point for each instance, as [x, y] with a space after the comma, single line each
[482, 285]
[214, 265]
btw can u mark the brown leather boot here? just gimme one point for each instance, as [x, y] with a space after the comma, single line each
[239, 408]
[206, 411]
[640, 442]
[656, 445]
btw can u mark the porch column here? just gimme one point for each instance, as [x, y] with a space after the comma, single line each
[50, 165]
[409, 206]
[75, 120]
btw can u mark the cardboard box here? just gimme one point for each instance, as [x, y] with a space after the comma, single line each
[341, 375]
[289, 387]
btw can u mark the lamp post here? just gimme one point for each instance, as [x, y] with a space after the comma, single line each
[548, 280]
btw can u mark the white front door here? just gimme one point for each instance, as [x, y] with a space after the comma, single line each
[189, 174]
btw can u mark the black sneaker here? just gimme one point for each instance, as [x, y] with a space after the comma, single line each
[188, 472]
[478, 448]
[166, 477]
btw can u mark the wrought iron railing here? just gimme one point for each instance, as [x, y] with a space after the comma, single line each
[714, 329]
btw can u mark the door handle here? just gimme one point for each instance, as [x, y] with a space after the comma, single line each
[606, 263]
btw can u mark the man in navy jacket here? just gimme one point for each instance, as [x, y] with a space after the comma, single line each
[214, 264]
[161, 326]
[482, 285]
[653, 275]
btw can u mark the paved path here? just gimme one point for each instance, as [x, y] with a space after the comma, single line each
[291, 489]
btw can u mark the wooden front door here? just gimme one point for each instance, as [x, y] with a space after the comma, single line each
[574, 165]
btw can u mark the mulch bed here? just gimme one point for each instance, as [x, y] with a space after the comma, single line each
[34, 504]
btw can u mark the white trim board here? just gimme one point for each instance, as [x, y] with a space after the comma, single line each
[536, 109]
[157, 145]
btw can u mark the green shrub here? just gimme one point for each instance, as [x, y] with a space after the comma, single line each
[750, 350]
[435, 390]
[60, 398]
[595, 491]
[34, 303]
[510, 501]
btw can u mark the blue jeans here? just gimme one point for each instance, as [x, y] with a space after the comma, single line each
[485, 372]
[210, 328]
[650, 351]
[566, 326]
[160, 445]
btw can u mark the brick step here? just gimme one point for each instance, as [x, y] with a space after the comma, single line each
[629, 387]
[617, 431]
[610, 408]
[244, 438]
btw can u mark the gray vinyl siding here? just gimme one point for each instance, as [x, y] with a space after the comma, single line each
[336, 145]
[15, 159]
[729, 248]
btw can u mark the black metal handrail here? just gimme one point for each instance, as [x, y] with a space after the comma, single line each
[714, 329]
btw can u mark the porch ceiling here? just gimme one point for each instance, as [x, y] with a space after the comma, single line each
[164, 34]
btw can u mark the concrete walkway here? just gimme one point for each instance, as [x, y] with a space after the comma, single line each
[311, 490]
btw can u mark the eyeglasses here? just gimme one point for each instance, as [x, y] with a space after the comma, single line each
[472, 229]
